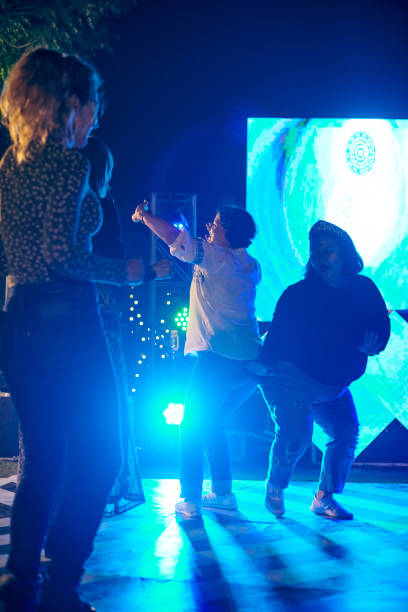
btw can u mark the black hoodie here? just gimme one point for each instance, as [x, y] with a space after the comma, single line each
[318, 328]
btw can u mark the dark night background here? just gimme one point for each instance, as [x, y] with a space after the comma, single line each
[184, 76]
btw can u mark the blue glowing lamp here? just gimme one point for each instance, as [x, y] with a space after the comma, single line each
[174, 413]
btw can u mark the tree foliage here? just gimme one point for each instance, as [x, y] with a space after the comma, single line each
[74, 26]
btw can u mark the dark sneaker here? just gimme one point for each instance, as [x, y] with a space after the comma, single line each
[17, 595]
[330, 508]
[274, 500]
[60, 600]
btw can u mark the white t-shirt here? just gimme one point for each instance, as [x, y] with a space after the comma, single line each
[222, 298]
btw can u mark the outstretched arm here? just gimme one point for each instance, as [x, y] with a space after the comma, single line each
[163, 229]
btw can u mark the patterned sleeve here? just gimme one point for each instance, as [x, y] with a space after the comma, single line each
[60, 248]
[196, 250]
[3, 260]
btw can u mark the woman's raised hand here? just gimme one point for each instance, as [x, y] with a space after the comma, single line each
[139, 212]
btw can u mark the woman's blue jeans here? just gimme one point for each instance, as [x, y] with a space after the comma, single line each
[217, 386]
[60, 377]
[296, 401]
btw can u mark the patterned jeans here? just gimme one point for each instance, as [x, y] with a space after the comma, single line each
[296, 401]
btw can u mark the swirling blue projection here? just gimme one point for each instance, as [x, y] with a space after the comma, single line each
[354, 173]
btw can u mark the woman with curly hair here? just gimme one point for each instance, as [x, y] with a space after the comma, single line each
[54, 352]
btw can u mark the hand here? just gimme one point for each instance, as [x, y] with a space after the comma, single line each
[371, 343]
[163, 268]
[135, 269]
[208, 227]
[139, 212]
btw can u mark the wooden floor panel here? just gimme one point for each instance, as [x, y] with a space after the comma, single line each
[147, 559]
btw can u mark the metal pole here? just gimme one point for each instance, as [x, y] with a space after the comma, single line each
[152, 296]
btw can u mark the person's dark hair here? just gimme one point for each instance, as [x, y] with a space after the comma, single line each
[240, 228]
[352, 261]
[101, 160]
[84, 80]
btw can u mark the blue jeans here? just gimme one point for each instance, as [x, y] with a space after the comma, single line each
[217, 386]
[296, 401]
[60, 377]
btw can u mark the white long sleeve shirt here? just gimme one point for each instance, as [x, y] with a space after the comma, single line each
[222, 298]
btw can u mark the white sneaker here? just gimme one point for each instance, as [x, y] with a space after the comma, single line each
[189, 509]
[225, 502]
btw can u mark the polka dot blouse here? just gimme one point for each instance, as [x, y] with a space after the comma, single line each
[48, 216]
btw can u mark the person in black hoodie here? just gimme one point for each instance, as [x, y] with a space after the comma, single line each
[322, 331]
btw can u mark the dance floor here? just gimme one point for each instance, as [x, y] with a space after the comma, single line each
[146, 559]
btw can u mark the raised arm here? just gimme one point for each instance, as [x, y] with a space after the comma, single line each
[182, 245]
[163, 229]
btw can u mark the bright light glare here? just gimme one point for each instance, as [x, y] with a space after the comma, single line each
[174, 413]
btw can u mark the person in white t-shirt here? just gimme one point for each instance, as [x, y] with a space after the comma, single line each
[223, 332]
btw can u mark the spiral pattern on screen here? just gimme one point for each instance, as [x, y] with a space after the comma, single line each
[360, 153]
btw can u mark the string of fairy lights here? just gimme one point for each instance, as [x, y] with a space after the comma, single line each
[154, 342]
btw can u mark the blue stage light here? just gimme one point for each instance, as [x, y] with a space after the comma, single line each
[174, 413]
[179, 226]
